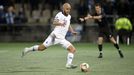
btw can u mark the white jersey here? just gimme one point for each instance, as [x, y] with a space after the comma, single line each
[60, 31]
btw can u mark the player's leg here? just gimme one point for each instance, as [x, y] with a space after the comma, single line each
[116, 46]
[100, 46]
[33, 48]
[71, 50]
[48, 42]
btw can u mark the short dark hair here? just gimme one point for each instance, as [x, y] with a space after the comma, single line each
[98, 4]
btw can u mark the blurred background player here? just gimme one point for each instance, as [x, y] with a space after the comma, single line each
[100, 18]
[124, 29]
[62, 25]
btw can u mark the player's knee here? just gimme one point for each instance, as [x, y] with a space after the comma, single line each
[41, 48]
[113, 40]
[100, 40]
[71, 49]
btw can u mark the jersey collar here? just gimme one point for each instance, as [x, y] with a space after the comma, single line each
[64, 14]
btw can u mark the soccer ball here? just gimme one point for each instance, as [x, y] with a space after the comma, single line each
[84, 67]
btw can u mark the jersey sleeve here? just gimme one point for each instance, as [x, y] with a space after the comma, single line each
[57, 17]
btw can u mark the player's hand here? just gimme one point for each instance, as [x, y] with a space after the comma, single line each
[89, 16]
[74, 33]
[81, 19]
[59, 23]
[62, 23]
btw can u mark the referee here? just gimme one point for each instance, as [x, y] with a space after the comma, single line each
[104, 29]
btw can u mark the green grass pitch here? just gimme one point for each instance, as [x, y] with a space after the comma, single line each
[52, 61]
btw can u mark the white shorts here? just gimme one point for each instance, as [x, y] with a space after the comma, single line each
[52, 40]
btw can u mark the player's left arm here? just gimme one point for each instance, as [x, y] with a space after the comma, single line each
[85, 18]
[91, 17]
[97, 17]
[72, 30]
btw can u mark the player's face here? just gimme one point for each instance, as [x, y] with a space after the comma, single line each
[98, 9]
[67, 10]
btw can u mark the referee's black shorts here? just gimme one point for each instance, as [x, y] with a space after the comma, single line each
[105, 31]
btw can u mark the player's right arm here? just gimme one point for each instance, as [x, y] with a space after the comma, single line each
[56, 22]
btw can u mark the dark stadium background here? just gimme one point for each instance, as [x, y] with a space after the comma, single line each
[33, 18]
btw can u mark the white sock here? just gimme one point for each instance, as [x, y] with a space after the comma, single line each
[70, 58]
[33, 48]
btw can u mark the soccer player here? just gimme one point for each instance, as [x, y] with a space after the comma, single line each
[100, 18]
[57, 36]
[124, 29]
